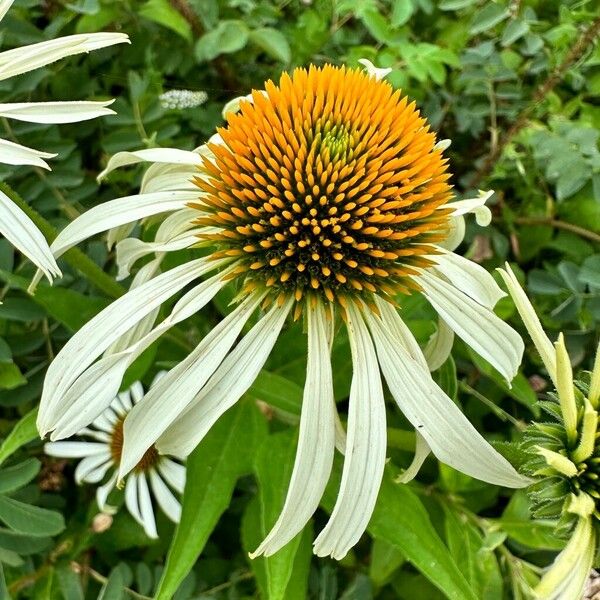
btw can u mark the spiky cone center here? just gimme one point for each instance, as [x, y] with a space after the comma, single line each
[328, 184]
[554, 488]
[147, 462]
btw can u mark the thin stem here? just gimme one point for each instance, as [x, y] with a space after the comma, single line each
[586, 39]
[581, 231]
[78, 568]
[500, 412]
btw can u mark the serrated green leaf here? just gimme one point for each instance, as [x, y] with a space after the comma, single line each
[29, 519]
[22, 433]
[213, 468]
[273, 42]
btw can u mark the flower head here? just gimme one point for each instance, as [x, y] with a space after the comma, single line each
[15, 225]
[563, 457]
[102, 456]
[326, 195]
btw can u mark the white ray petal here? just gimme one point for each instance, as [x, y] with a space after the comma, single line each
[27, 58]
[226, 386]
[131, 497]
[477, 206]
[102, 423]
[469, 277]
[137, 392]
[4, 6]
[479, 327]
[316, 440]
[93, 468]
[22, 233]
[173, 473]
[95, 388]
[378, 73]
[531, 321]
[74, 449]
[422, 451]
[436, 417]
[393, 320]
[104, 490]
[167, 502]
[161, 177]
[154, 155]
[166, 400]
[101, 331]
[16, 154]
[439, 345]
[365, 449]
[55, 112]
[146, 510]
[125, 397]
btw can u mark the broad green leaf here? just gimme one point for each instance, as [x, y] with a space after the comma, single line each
[385, 560]
[114, 588]
[487, 17]
[23, 544]
[273, 42]
[402, 11]
[69, 583]
[456, 4]
[225, 38]
[513, 31]
[10, 376]
[5, 351]
[28, 519]
[273, 467]
[22, 433]
[15, 477]
[400, 519]
[3, 589]
[161, 12]
[534, 534]
[277, 391]
[213, 468]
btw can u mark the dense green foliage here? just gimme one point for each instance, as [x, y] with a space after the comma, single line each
[514, 84]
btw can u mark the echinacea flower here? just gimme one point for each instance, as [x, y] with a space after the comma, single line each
[154, 474]
[15, 225]
[325, 195]
[563, 457]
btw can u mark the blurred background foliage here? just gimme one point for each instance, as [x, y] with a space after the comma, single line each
[514, 84]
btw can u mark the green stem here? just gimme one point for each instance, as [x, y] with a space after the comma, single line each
[77, 259]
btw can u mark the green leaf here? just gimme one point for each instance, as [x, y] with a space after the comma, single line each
[227, 37]
[273, 468]
[28, 519]
[273, 42]
[386, 559]
[23, 544]
[10, 376]
[400, 519]
[533, 534]
[22, 433]
[455, 4]
[15, 477]
[213, 468]
[277, 391]
[69, 583]
[114, 588]
[161, 12]
[513, 31]
[5, 351]
[487, 17]
[402, 11]
[589, 273]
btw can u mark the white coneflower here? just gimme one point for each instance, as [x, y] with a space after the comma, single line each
[101, 457]
[15, 225]
[325, 195]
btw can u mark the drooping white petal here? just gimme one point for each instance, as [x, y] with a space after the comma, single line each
[439, 346]
[316, 440]
[161, 177]
[226, 386]
[565, 580]
[436, 417]
[477, 206]
[392, 319]
[146, 510]
[167, 502]
[422, 451]
[101, 331]
[27, 58]
[22, 233]
[100, 436]
[479, 327]
[364, 461]
[4, 6]
[95, 388]
[93, 468]
[154, 155]
[131, 497]
[74, 449]
[16, 154]
[173, 473]
[104, 490]
[55, 112]
[469, 277]
[531, 321]
[125, 397]
[166, 400]
[137, 391]
[377, 72]
[102, 423]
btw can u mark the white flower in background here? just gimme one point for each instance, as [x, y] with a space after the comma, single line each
[181, 99]
[15, 225]
[102, 455]
[325, 195]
